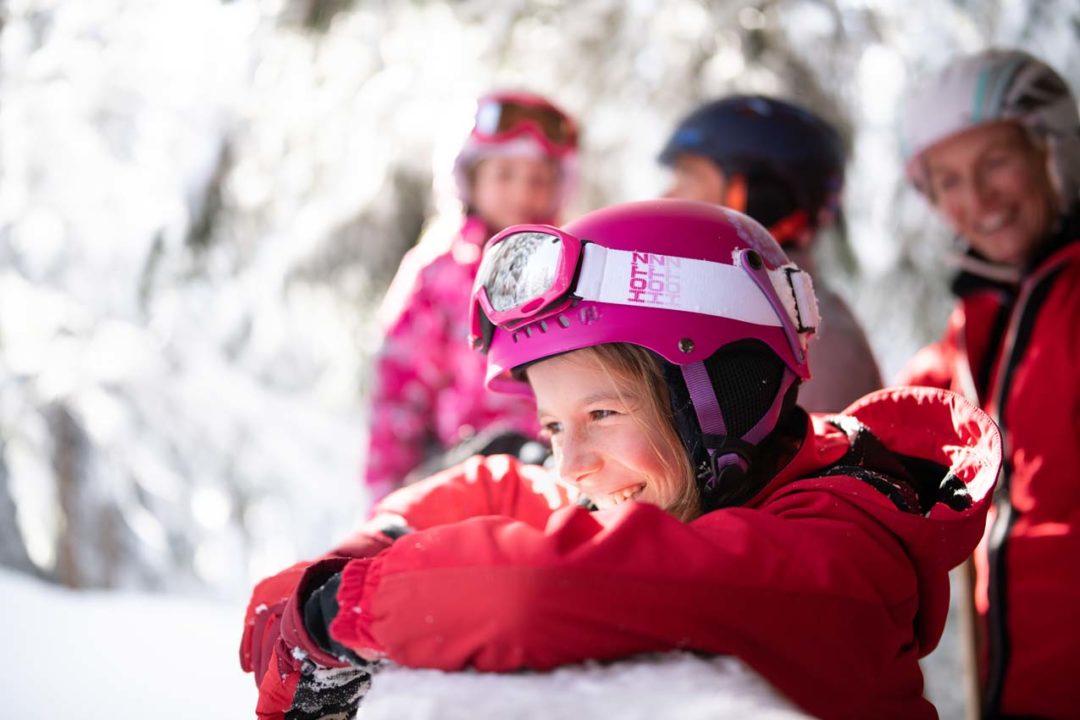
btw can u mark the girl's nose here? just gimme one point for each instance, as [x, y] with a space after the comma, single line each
[575, 458]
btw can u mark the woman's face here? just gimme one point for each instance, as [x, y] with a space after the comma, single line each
[600, 433]
[991, 184]
[515, 190]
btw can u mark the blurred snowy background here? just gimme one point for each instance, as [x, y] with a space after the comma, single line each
[202, 200]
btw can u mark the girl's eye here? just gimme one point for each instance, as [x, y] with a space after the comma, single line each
[601, 414]
[550, 428]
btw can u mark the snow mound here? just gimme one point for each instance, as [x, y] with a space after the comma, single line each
[674, 685]
[128, 655]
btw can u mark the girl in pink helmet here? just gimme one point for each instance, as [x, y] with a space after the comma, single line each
[993, 142]
[691, 504]
[518, 165]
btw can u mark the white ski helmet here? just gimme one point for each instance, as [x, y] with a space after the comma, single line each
[991, 86]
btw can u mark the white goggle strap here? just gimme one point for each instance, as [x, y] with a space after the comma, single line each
[623, 277]
[795, 289]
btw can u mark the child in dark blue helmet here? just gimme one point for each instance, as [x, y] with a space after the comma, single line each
[784, 167]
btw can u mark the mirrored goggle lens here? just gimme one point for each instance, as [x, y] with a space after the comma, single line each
[520, 268]
[495, 118]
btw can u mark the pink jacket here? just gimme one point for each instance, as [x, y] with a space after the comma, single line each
[429, 392]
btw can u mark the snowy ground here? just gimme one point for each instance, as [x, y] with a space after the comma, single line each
[125, 656]
[118, 655]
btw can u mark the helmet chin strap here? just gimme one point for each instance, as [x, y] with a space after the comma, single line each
[723, 454]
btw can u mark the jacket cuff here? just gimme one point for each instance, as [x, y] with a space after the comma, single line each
[293, 631]
[352, 626]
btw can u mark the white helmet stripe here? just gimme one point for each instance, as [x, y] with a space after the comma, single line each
[687, 285]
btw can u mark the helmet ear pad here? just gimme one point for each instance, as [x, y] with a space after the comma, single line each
[746, 377]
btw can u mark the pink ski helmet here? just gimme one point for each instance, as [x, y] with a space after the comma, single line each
[688, 281]
[520, 124]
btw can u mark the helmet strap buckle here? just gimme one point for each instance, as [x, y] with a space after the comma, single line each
[729, 459]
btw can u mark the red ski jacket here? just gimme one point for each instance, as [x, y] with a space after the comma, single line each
[1015, 353]
[831, 582]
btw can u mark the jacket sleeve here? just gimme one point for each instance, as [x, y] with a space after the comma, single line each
[407, 377]
[491, 485]
[810, 587]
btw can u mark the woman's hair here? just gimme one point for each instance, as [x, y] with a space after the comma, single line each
[633, 369]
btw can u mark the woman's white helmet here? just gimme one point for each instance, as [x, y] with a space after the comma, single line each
[991, 86]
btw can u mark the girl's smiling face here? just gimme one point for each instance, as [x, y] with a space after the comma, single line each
[606, 435]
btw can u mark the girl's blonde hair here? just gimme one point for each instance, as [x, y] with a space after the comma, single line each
[633, 368]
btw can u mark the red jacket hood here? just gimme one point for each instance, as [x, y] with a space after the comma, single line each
[949, 449]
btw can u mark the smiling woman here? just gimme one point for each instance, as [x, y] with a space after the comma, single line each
[693, 505]
[994, 143]
[992, 184]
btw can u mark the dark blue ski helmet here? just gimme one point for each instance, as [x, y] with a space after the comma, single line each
[791, 159]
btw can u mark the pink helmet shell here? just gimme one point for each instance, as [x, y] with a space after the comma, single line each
[676, 228]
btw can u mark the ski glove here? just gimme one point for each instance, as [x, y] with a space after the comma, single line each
[263, 620]
[304, 678]
[289, 666]
[262, 624]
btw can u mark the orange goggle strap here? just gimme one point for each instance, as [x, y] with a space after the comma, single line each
[788, 231]
[735, 193]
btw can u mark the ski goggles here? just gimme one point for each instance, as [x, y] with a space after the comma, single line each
[497, 118]
[533, 273]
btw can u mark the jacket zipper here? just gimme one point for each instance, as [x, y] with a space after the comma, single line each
[1022, 318]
